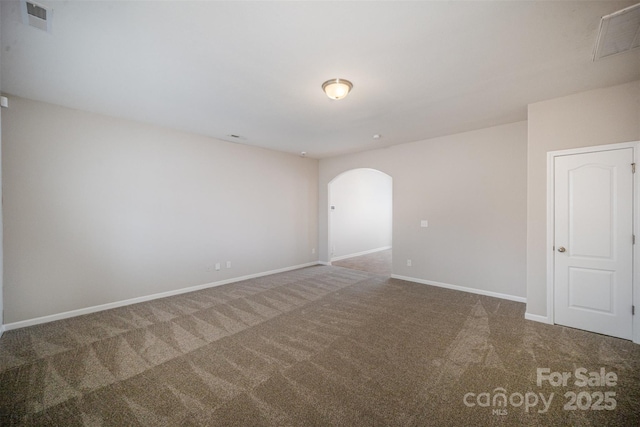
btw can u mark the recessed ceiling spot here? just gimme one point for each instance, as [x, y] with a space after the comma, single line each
[619, 32]
[337, 88]
[377, 136]
[36, 15]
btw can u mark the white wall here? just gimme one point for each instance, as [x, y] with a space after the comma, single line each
[361, 220]
[2, 322]
[1, 238]
[1, 231]
[597, 117]
[471, 187]
[100, 210]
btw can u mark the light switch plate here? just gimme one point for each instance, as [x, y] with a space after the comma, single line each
[424, 223]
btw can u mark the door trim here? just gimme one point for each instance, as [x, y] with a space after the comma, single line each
[551, 155]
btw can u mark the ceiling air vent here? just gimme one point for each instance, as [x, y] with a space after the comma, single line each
[619, 32]
[36, 15]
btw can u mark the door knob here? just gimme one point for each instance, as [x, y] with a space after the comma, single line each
[561, 249]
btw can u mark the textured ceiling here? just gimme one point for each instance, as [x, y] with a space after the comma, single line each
[254, 69]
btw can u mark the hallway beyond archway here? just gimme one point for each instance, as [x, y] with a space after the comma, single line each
[377, 262]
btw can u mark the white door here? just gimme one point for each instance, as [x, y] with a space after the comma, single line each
[594, 241]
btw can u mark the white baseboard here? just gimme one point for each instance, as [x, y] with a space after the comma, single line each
[538, 318]
[102, 307]
[370, 251]
[324, 262]
[461, 288]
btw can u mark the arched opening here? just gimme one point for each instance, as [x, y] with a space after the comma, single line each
[360, 220]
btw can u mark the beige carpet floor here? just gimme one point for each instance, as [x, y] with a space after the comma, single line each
[377, 262]
[320, 346]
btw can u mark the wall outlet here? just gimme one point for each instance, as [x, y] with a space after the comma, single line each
[313, 251]
[424, 223]
[228, 264]
[217, 266]
[408, 263]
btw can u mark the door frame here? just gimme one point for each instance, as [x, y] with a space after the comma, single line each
[330, 238]
[551, 155]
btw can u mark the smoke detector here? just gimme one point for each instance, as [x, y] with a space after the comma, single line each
[619, 32]
[36, 15]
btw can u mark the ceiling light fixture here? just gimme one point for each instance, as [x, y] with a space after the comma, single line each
[337, 88]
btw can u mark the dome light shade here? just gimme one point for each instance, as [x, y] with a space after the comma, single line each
[337, 88]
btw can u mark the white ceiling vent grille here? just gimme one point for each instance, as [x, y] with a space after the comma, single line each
[619, 32]
[36, 15]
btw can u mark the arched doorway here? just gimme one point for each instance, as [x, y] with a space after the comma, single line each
[360, 220]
